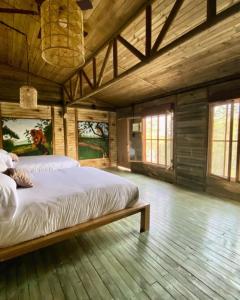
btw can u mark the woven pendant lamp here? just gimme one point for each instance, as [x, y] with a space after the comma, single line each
[62, 33]
[28, 94]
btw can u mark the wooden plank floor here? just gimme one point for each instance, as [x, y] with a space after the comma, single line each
[191, 252]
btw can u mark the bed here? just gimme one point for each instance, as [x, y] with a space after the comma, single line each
[85, 198]
[43, 163]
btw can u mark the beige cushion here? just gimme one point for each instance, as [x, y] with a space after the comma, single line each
[21, 178]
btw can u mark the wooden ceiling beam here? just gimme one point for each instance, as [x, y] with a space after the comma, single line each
[148, 24]
[173, 13]
[211, 10]
[115, 58]
[100, 78]
[131, 48]
[18, 11]
[198, 29]
[87, 79]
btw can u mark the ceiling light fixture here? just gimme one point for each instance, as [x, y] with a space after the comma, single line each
[62, 33]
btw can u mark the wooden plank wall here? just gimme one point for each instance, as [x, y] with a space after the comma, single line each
[42, 112]
[190, 139]
[191, 121]
[74, 115]
[66, 142]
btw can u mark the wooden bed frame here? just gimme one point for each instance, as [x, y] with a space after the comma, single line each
[52, 238]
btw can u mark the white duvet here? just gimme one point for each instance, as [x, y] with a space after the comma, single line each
[44, 163]
[64, 198]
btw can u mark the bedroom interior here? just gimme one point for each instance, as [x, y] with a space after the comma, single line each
[119, 149]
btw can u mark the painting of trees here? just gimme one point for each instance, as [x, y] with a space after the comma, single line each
[93, 140]
[27, 136]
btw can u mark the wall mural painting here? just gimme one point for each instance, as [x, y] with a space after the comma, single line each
[93, 140]
[27, 137]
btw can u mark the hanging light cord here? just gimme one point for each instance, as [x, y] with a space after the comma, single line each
[26, 38]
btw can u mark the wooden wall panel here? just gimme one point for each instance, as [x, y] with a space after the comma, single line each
[14, 110]
[191, 126]
[190, 139]
[112, 139]
[71, 137]
[59, 131]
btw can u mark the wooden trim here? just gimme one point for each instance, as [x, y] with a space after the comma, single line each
[61, 235]
[131, 48]
[167, 24]
[53, 128]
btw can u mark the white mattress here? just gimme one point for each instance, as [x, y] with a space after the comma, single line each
[44, 163]
[64, 198]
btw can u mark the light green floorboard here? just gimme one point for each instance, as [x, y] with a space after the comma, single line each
[191, 252]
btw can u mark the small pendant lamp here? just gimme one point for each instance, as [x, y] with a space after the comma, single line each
[28, 94]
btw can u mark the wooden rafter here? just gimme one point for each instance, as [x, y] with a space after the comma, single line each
[211, 10]
[87, 79]
[100, 78]
[115, 58]
[176, 7]
[151, 52]
[148, 43]
[131, 48]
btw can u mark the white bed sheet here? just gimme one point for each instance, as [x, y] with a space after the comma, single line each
[44, 163]
[64, 198]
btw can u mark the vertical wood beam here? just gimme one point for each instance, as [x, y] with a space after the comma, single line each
[167, 24]
[230, 140]
[211, 9]
[100, 78]
[148, 41]
[115, 58]
[53, 129]
[238, 146]
[94, 64]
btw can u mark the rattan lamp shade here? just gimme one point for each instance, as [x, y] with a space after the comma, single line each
[62, 33]
[28, 97]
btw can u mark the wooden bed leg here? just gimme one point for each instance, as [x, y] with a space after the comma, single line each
[145, 218]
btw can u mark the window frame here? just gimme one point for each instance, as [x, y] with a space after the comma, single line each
[166, 140]
[210, 142]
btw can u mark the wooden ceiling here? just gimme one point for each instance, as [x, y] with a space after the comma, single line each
[100, 22]
[209, 55]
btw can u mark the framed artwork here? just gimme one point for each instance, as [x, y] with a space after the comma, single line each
[93, 140]
[27, 137]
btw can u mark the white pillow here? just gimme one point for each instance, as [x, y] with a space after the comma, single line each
[5, 162]
[3, 151]
[8, 198]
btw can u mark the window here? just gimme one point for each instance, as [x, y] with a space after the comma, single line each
[225, 140]
[158, 139]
